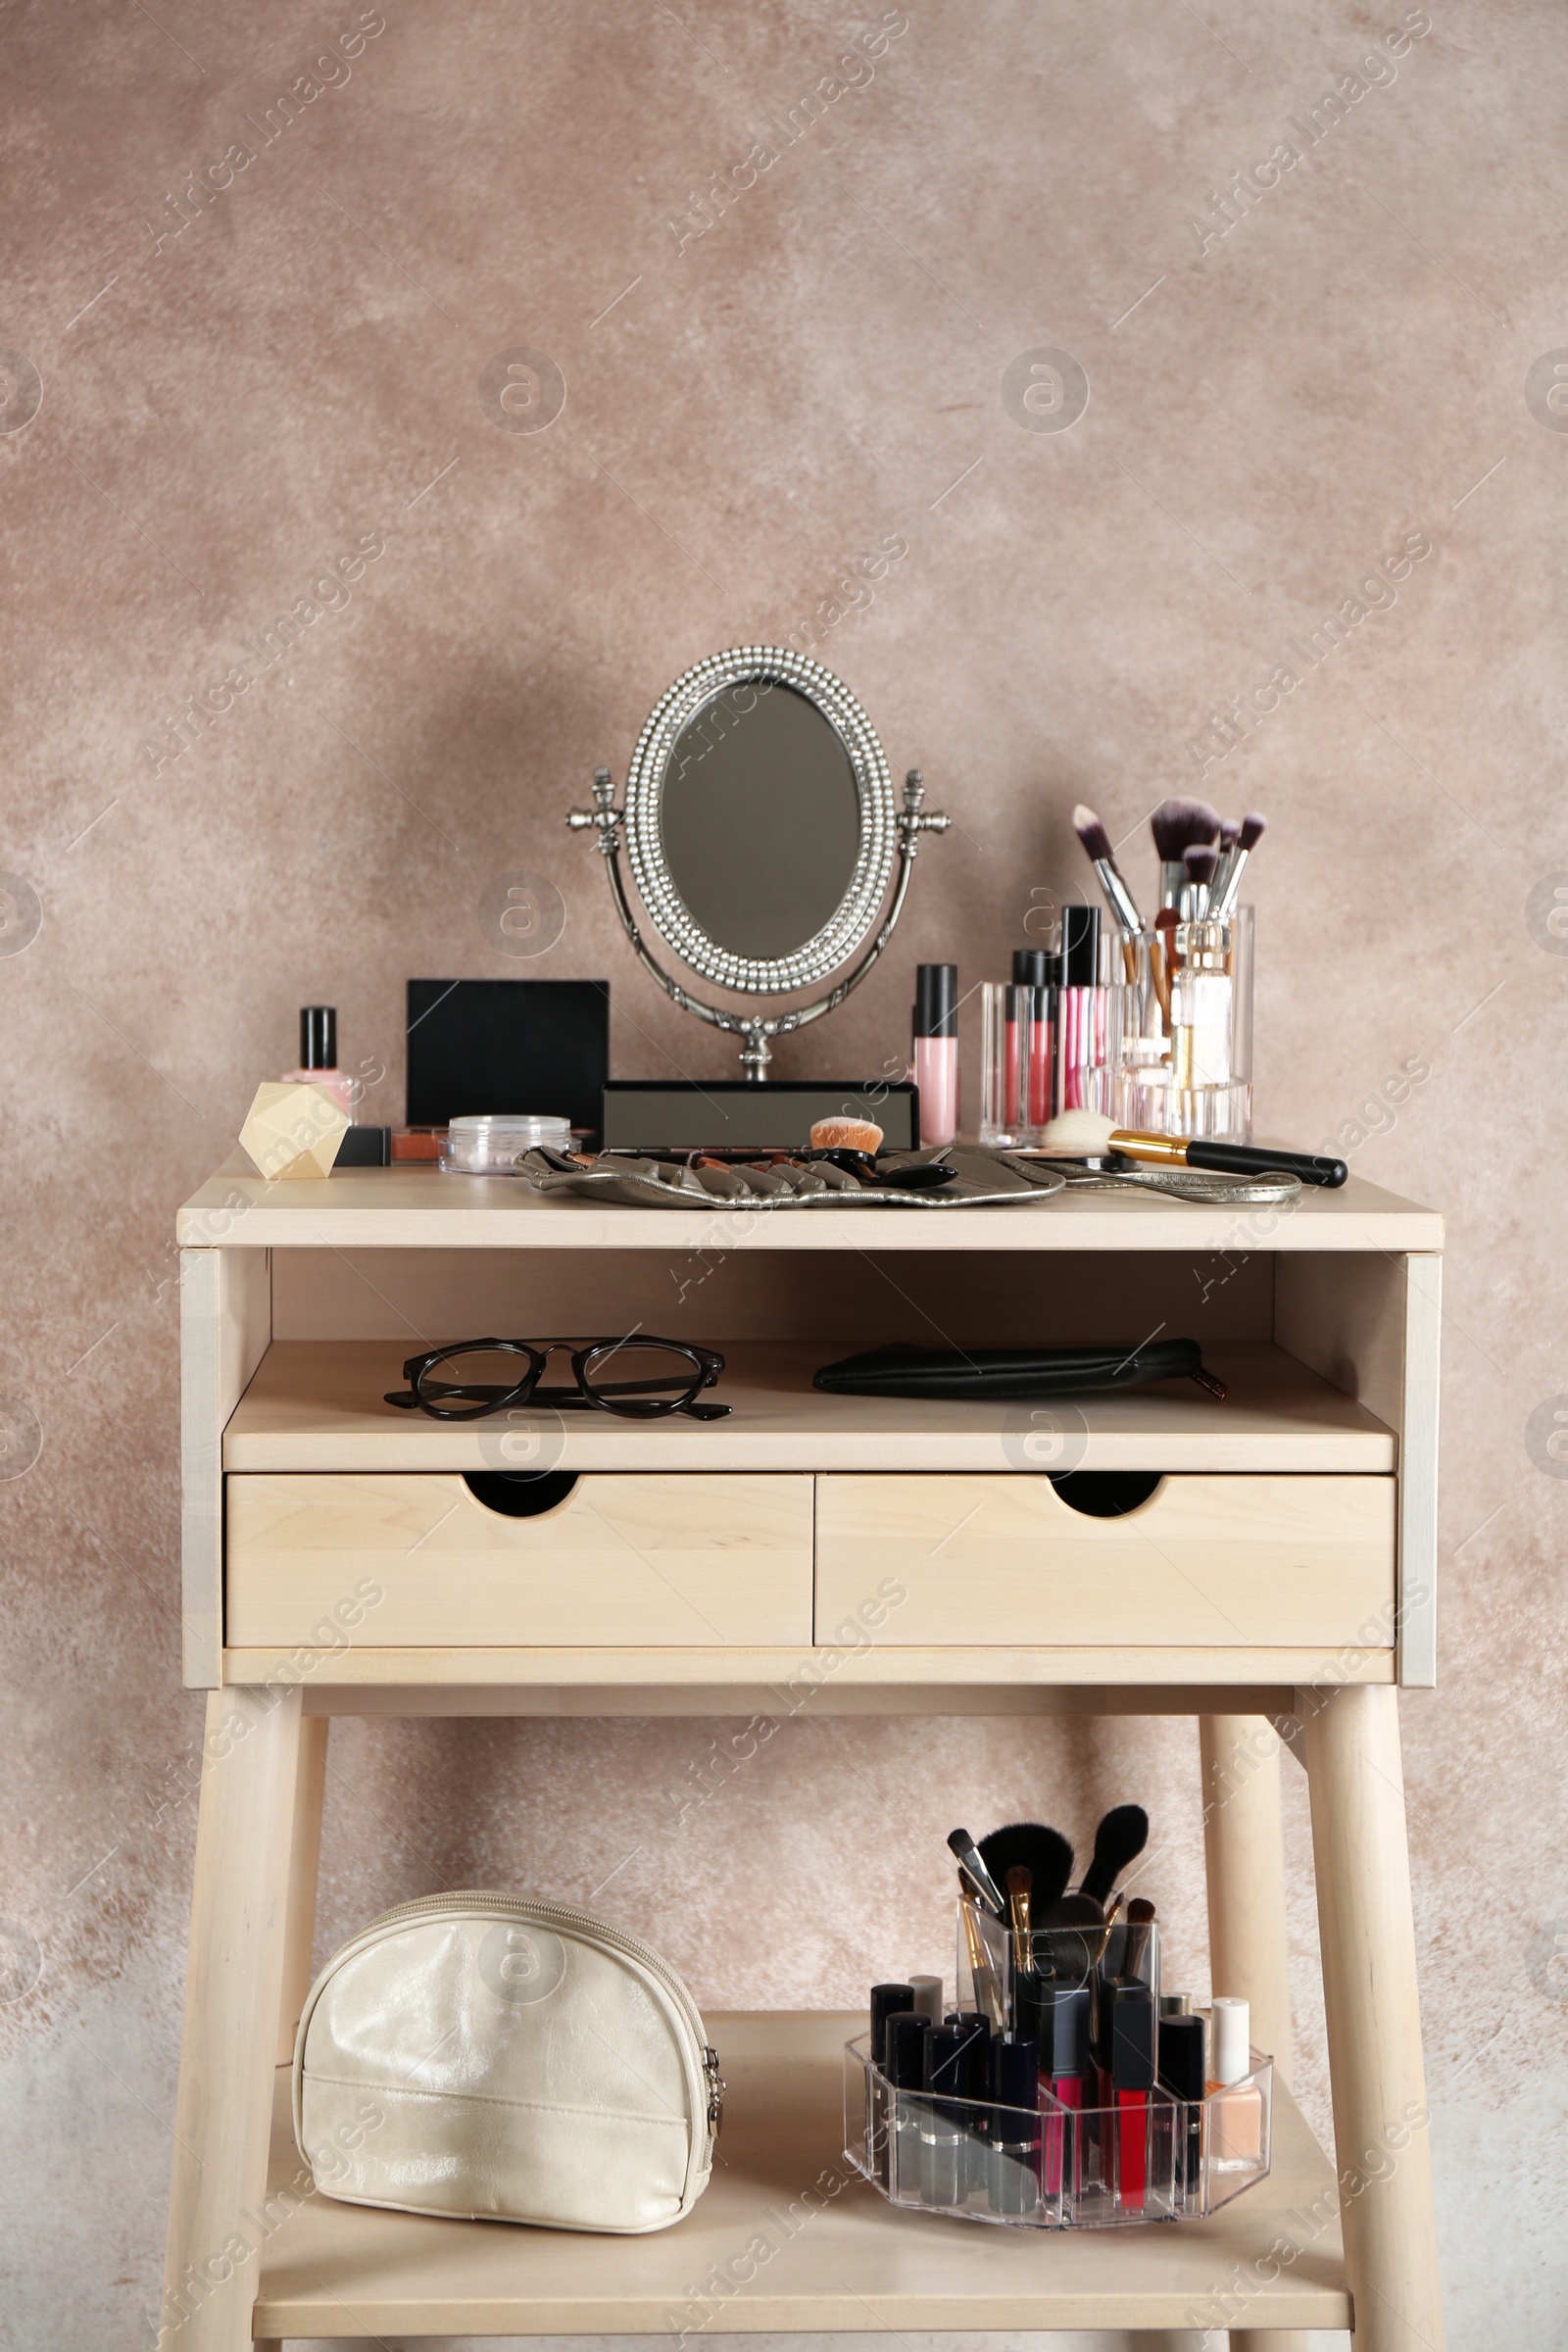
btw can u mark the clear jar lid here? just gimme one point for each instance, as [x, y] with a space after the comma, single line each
[489, 1144]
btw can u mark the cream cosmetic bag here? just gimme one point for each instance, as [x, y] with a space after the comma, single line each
[509, 2061]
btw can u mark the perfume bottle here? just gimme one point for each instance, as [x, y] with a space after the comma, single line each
[1201, 1006]
[319, 1056]
[936, 1051]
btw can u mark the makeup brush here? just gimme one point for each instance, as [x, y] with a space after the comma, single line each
[1180, 825]
[987, 1991]
[1103, 857]
[1119, 1840]
[1020, 1882]
[1223, 900]
[1140, 1923]
[1225, 1160]
[1029, 1846]
[972, 1860]
[1198, 865]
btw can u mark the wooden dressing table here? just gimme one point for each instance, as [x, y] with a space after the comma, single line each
[337, 1562]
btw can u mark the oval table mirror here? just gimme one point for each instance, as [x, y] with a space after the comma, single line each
[761, 832]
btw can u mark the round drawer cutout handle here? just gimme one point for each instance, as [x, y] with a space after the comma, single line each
[1107, 1494]
[520, 1494]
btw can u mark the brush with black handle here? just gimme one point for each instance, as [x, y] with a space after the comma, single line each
[1226, 1159]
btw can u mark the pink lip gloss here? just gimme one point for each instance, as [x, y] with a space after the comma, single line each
[936, 1051]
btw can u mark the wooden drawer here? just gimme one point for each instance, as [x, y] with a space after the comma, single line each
[1208, 1560]
[686, 1559]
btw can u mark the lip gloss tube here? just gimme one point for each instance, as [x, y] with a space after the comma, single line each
[1132, 2075]
[1082, 1019]
[1062, 2156]
[936, 1051]
[1037, 969]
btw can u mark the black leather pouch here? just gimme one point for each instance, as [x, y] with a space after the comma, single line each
[969, 1375]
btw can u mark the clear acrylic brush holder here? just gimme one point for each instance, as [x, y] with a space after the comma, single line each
[1124, 2161]
[1184, 1059]
[1105, 2146]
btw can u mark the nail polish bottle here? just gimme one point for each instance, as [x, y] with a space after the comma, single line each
[1234, 2104]
[936, 1051]
[319, 1056]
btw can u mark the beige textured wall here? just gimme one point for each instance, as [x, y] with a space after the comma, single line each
[301, 371]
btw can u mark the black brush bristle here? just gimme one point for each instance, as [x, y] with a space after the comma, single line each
[1119, 1840]
[1252, 831]
[1229, 828]
[1091, 832]
[1199, 864]
[1044, 1853]
[1178, 825]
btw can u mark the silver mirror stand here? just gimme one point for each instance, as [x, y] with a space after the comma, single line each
[754, 1029]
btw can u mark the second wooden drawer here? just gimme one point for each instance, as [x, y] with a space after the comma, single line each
[685, 1559]
[1208, 1560]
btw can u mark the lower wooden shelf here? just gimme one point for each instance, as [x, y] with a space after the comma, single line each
[789, 2239]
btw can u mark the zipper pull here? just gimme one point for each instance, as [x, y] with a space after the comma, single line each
[1211, 1381]
[716, 2087]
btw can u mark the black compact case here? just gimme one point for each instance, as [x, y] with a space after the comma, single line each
[477, 1046]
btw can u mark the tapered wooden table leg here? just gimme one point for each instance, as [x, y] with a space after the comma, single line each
[233, 1985]
[299, 1930]
[1243, 1847]
[1383, 2148]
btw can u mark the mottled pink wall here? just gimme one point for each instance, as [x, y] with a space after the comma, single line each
[227, 408]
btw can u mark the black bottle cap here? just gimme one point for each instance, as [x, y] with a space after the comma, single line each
[887, 2000]
[1181, 2056]
[1069, 2053]
[1080, 946]
[317, 1037]
[906, 2033]
[946, 2055]
[1031, 2006]
[936, 1000]
[1132, 2038]
[1035, 968]
[1014, 2071]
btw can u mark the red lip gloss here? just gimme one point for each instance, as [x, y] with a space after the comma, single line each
[1067, 2059]
[1132, 2075]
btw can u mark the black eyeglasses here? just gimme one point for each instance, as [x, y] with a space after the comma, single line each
[637, 1376]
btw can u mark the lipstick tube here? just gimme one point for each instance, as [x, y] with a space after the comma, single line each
[1181, 2073]
[887, 2000]
[1132, 2075]
[942, 2131]
[1013, 2182]
[907, 2031]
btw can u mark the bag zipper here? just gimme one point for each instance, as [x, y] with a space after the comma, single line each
[567, 1916]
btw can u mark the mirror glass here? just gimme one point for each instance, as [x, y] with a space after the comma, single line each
[760, 819]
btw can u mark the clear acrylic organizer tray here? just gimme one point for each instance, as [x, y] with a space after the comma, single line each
[1148, 2157]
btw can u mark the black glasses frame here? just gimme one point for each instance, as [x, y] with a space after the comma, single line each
[439, 1398]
